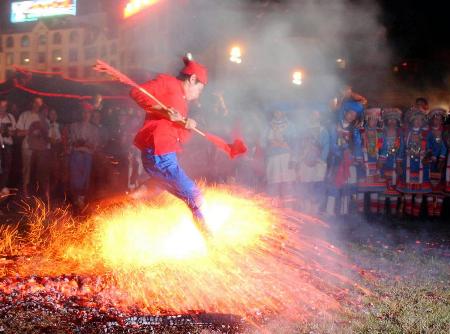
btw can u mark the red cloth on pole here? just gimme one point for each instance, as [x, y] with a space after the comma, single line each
[233, 150]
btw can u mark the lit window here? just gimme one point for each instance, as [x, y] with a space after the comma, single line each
[25, 41]
[10, 42]
[24, 58]
[89, 37]
[90, 53]
[42, 57]
[73, 38]
[57, 56]
[73, 55]
[9, 58]
[57, 38]
[42, 40]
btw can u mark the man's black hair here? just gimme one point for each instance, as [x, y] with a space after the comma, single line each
[184, 77]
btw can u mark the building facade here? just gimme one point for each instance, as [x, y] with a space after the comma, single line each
[69, 46]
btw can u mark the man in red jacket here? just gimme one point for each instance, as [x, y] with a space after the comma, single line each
[163, 132]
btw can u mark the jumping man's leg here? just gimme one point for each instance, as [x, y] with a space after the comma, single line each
[166, 171]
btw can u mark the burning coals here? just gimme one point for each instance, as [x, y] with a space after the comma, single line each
[83, 305]
[139, 264]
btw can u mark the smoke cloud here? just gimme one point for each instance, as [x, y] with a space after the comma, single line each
[277, 38]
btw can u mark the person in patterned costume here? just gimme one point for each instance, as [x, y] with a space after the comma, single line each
[391, 156]
[341, 174]
[415, 181]
[437, 154]
[367, 147]
[446, 137]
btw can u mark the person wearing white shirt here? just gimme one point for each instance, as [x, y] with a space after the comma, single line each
[23, 124]
[56, 151]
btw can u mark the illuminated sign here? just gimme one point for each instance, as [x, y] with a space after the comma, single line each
[135, 6]
[32, 10]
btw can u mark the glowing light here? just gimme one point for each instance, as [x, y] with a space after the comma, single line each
[235, 55]
[32, 10]
[259, 259]
[341, 63]
[297, 78]
[26, 60]
[135, 6]
[59, 58]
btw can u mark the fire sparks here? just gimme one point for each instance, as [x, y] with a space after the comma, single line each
[259, 259]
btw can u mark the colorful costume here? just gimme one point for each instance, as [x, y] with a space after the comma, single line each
[390, 158]
[415, 180]
[437, 150]
[367, 147]
[446, 137]
[341, 176]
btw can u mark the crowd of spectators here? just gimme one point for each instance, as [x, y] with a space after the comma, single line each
[334, 158]
[79, 161]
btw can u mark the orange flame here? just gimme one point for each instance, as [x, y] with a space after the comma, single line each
[259, 258]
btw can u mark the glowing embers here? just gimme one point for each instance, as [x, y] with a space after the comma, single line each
[260, 260]
[135, 6]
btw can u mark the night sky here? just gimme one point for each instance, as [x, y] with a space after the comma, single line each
[416, 29]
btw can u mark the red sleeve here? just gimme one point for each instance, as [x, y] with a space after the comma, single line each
[156, 87]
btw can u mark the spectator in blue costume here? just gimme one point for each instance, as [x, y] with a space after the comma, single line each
[341, 175]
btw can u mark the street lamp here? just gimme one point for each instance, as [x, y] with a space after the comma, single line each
[341, 63]
[297, 78]
[235, 55]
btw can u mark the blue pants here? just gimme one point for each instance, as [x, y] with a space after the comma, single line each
[165, 171]
[80, 172]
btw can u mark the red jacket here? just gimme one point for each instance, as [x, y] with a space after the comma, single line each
[158, 132]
